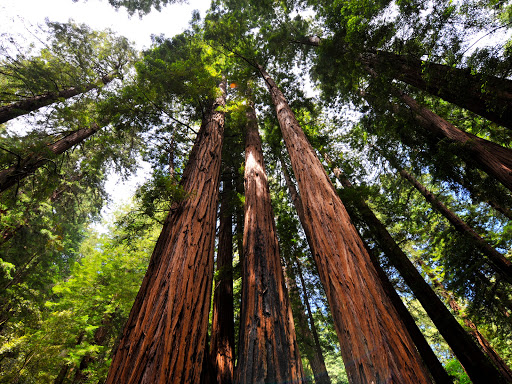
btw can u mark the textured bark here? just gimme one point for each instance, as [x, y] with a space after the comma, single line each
[164, 339]
[473, 330]
[19, 108]
[374, 342]
[470, 356]
[501, 264]
[29, 164]
[487, 96]
[490, 157]
[222, 343]
[268, 351]
[430, 359]
[314, 352]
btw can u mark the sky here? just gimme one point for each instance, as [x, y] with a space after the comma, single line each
[23, 16]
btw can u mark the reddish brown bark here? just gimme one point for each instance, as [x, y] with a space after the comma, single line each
[470, 356]
[310, 336]
[492, 158]
[26, 166]
[473, 330]
[487, 96]
[268, 351]
[500, 263]
[164, 339]
[374, 342]
[19, 108]
[222, 343]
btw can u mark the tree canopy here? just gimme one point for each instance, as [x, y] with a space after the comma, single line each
[365, 236]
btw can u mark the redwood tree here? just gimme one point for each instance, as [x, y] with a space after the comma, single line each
[474, 361]
[374, 342]
[165, 336]
[268, 351]
[222, 342]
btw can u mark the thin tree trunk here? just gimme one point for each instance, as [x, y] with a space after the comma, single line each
[487, 156]
[26, 166]
[473, 330]
[65, 368]
[268, 351]
[316, 359]
[322, 376]
[501, 264]
[485, 95]
[471, 357]
[165, 336]
[22, 107]
[374, 342]
[490, 157]
[222, 343]
[100, 338]
[431, 361]
[62, 375]
[315, 356]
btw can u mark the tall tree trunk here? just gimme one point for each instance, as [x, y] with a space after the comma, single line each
[374, 342]
[501, 264]
[222, 343]
[22, 107]
[165, 336]
[485, 95]
[435, 368]
[316, 359]
[490, 157]
[469, 354]
[485, 155]
[315, 356]
[430, 359]
[473, 330]
[29, 164]
[268, 351]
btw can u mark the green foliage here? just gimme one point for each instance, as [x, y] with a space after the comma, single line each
[73, 56]
[85, 313]
[64, 283]
[455, 370]
[142, 7]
